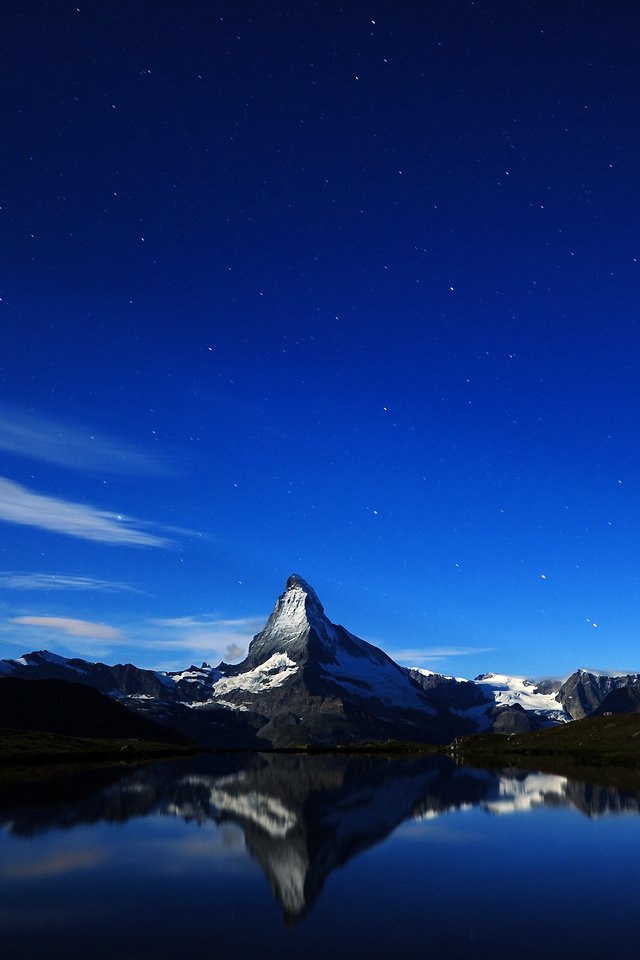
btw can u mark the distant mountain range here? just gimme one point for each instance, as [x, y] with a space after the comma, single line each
[309, 682]
[74, 710]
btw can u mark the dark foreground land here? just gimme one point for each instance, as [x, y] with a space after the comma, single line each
[595, 749]
[31, 747]
[609, 740]
[596, 742]
[53, 721]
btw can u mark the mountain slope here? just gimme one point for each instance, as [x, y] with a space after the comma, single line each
[182, 702]
[309, 682]
[57, 706]
[305, 681]
[496, 702]
[583, 692]
[317, 683]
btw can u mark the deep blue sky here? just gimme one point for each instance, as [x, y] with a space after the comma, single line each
[347, 289]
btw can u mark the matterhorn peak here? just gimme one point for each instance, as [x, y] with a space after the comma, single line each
[296, 608]
[297, 613]
[296, 583]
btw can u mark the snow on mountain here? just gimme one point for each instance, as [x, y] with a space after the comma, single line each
[432, 673]
[512, 704]
[272, 673]
[197, 675]
[360, 674]
[508, 691]
[41, 657]
[497, 702]
[300, 627]
[296, 610]
[302, 661]
[307, 680]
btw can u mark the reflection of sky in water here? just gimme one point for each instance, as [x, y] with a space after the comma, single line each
[35, 864]
[158, 845]
[370, 855]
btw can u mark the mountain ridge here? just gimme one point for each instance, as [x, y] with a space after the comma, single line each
[306, 681]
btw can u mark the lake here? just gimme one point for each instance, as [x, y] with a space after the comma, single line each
[319, 856]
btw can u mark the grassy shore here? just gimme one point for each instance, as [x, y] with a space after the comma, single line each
[597, 749]
[595, 740]
[31, 747]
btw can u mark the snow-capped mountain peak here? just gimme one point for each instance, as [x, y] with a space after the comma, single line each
[303, 664]
[297, 616]
[306, 680]
[297, 608]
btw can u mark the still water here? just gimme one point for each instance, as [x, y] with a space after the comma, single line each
[291, 856]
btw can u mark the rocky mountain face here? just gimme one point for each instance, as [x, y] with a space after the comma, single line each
[74, 710]
[512, 719]
[317, 683]
[449, 692]
[172, 701]
[307, 681]
[621, 700]
[304, 681]
[583, 692]
[495, 702]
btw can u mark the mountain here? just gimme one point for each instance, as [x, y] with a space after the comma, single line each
[620, 700]
[181, 702]
[583, 692]
[309, 682]
[496, 702]
[317, 683]
[305, 681]
[57, 706]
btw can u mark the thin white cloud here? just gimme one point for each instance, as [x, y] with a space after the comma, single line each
[210, 636]
[73, 447]
[205, 621]
[422, 655]
[19, 505]
[610, 671]
[165, 644]
[72, 627]
[62, 581]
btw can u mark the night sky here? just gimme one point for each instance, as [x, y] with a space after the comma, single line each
[348, 289]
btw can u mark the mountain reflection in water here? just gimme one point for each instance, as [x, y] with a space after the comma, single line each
[302, 816]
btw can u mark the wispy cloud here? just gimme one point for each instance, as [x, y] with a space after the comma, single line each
[167, 644]
[72, 628]
[20, 505]
[62, 581]
[70, 446]
[431, 654]
[610, 671]
[207, 635]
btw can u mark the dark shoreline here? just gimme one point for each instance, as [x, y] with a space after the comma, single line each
[599, 747]
[32, 747]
